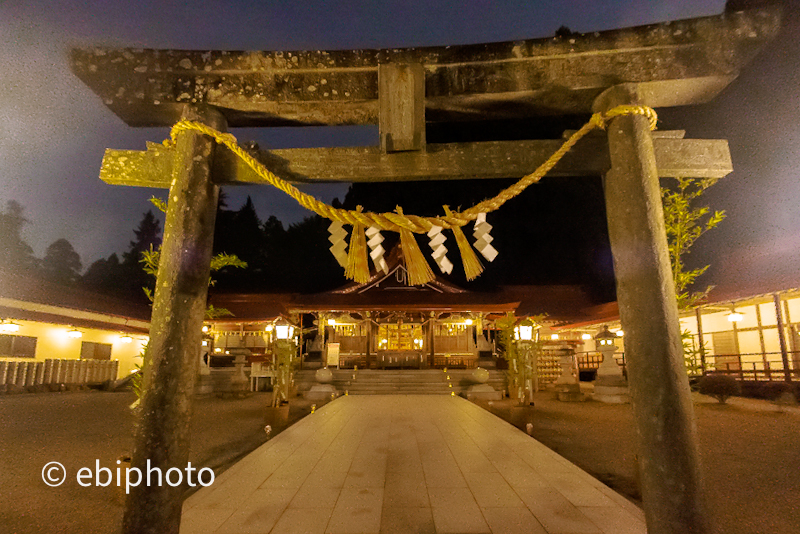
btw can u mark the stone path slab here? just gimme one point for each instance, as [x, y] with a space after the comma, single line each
[406, 464]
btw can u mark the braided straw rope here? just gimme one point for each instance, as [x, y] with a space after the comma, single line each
[396, 222]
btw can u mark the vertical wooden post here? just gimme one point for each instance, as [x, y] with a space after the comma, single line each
[300, 326]
[162, 434]
[792, 346]
[761, 343]
[669, 461]
[787, 373]
[368, 337]
[432, 332]
[699, 317]
[401, 96]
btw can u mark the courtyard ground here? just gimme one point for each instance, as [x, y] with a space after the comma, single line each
[749, 450]
[78, 428]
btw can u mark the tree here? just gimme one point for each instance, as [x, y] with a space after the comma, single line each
[148, 236]
[685, 223]
[104, 274]
[306, 263]
[61, 263]
[246, 239]
[150, 258]
[15, 253]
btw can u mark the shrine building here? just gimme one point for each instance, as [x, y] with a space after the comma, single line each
[387, 324]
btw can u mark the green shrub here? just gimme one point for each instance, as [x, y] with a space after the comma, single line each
[719, 386]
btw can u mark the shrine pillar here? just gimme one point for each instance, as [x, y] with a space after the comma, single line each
[669, 461]
[162, 433]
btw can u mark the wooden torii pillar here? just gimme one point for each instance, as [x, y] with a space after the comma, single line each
[672, 64]
[170, 372]
[669, 459]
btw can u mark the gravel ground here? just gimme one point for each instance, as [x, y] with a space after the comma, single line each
[749, 450]
[78, 428]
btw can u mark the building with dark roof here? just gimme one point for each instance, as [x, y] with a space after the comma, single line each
[42, 321]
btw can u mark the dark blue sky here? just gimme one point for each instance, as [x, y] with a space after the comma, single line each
[53, 129]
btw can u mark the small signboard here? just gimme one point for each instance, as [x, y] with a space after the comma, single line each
[333, 355]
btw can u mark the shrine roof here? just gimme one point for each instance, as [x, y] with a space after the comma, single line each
[558, 302]
[27, 298]
[388, 291]
[675, 63]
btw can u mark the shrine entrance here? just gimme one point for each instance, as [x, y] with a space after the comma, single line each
[400, 345]
[618, 76]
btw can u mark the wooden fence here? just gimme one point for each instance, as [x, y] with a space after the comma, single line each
[51, 374]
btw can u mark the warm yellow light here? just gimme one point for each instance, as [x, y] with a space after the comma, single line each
[735, 317]
[205, 342]
[125, 339]
[553, 336]
[331, 322]
[525, 332]
[620, 333]
[9, 327]
[205, 328]
[269, 328]
[468, 321]
[586, 336]
[75, 334]
[284, 331]
[217, 349]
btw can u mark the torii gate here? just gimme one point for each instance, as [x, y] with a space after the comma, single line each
[670, 64]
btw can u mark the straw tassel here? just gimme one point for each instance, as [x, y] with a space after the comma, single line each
[357, 263]
[419, 272]
[472, 265]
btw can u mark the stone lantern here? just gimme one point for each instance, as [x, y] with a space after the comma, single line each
[610, 386]
[204, 384]
[284, 353]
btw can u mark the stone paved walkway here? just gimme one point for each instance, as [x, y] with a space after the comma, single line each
[406, 464]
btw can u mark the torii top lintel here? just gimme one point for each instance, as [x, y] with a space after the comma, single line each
[676, 63]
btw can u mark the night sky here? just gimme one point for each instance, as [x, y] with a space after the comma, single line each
[53, 129]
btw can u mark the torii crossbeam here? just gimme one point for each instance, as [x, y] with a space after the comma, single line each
[402, 90]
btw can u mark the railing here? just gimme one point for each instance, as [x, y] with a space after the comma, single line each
[769, 368]
[590, 361]
[349, 361]
[454, 361]
[35, 375]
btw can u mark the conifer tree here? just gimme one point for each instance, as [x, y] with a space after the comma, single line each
[61, 264]
[15, 253]
[148, 236]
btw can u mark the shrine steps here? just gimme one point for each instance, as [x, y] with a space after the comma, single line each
[400, 382]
